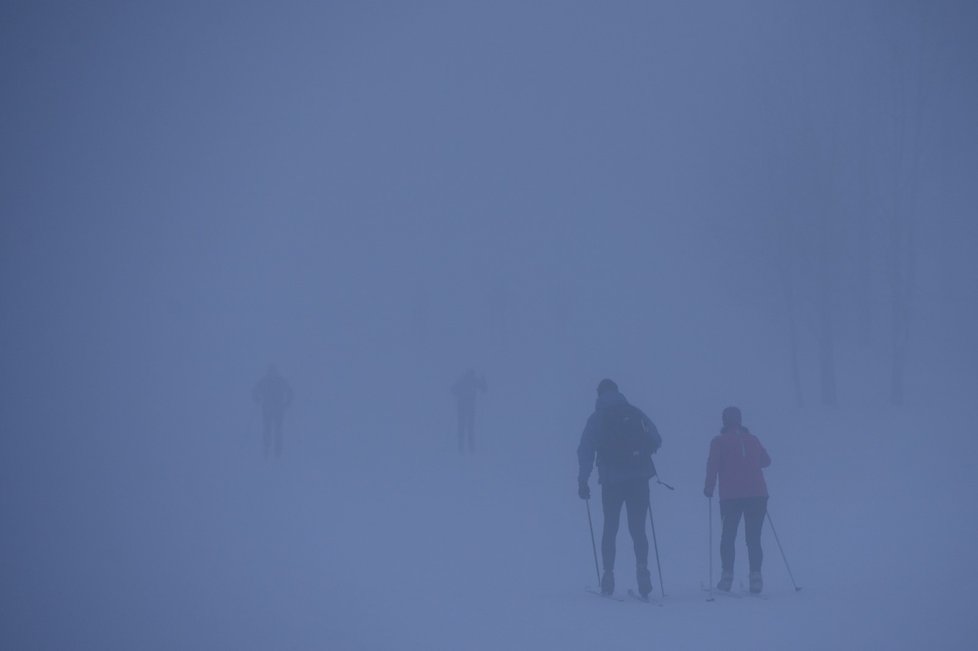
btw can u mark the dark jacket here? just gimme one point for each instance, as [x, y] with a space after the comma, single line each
[274, 393]
[466, 388]
[737, 456]
[591, 439]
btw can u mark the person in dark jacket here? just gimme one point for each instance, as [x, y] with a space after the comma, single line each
[736, 458]
[623, 439]
[465, 390]
[274, 393]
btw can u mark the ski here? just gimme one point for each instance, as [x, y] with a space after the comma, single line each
[645, 600]
[747, 594]
[598, 593]
[735, 594]
[721, 593]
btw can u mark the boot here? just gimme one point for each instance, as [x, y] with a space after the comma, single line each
[608, 582]
[726, 581]
[756, 582]
[644, 582]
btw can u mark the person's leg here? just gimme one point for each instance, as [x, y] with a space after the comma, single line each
[612, 497]
[730, 512]
[461, 430]
[470, 426]
[637, 508]
[754, 511]
[279, 417]
[266, 431]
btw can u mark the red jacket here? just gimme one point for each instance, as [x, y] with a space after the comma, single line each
[737, 456]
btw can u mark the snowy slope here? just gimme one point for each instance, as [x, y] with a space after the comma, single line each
[351, 543]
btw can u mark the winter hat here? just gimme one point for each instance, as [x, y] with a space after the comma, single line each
[606, 385]
[731, 417]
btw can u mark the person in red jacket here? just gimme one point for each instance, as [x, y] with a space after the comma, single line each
[737, 457]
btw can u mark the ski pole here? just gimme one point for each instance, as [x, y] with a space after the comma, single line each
[587, 505]
[710, 502]
[655, 542]
[775, 532]
[662, 483]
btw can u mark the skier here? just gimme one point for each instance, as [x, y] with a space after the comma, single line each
[624, 440]
[465, 390]
[737, 456]
[274, 394]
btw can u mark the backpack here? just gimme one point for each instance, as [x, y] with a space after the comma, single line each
[626, 437]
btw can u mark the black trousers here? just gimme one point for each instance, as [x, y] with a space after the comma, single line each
[272, 431]
[634, 494]
[753, 510]
[466, 428]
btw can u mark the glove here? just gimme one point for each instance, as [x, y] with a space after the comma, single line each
[583, 490]
[708, 492]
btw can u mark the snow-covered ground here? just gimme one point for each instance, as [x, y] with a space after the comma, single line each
[356, 542]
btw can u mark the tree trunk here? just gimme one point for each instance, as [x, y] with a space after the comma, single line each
[789, 292]
[826, 338]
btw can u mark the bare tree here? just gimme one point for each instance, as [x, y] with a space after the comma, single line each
[788, 282]
[908, 54]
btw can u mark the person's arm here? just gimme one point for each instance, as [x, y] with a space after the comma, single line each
[765, 457]
[586, 451]
[712, 468]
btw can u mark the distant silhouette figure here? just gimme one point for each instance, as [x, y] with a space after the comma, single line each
[274, 394]
[465, 390]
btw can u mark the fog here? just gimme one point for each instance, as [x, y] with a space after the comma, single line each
[764, 204]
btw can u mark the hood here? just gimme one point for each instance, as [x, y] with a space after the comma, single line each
[609, 399]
